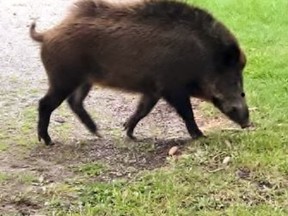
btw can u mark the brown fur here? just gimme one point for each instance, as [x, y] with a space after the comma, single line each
[89, 8]
[157, 48]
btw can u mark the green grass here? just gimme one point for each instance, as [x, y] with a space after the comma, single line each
[21, 177]
[91, 169]
[190, 186]
[23, 124]
[3, 177]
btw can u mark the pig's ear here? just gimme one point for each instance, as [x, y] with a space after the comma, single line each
[231, 55]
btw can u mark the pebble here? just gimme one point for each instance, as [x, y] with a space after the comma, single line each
[226, 160]
[173, 150]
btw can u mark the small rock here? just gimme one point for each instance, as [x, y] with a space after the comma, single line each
[60, 120]
[44, 189]
[173, 150]
[264, 185]
[41, 179]
[226, 160]
[243, 173]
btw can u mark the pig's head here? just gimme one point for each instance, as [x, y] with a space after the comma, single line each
[226, 85]
[223, 85]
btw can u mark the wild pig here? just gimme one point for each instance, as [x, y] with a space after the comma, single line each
[158, 48]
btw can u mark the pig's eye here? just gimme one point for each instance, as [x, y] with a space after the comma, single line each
[243, 94]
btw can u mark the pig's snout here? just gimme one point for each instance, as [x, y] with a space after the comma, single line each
[239, 113]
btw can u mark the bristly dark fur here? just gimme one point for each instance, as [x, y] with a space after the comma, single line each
[89, 8]
[181, 13]
[169, 10]
[178, 12]
[162, 11]
[172, 10]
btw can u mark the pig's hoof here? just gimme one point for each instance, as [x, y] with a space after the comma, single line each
[42, 135]
[130, 135]
[96, 133]
[48, 142]
[47, 139]
[197, 135]
[125, 126]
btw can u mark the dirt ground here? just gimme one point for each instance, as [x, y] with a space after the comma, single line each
[23, 83]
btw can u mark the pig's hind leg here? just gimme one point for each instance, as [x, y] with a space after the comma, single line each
[47, 104]
[75, 102]
[144, 107]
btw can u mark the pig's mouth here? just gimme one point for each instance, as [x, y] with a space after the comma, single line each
[241, 117]
[238, 114]
[247, 125]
